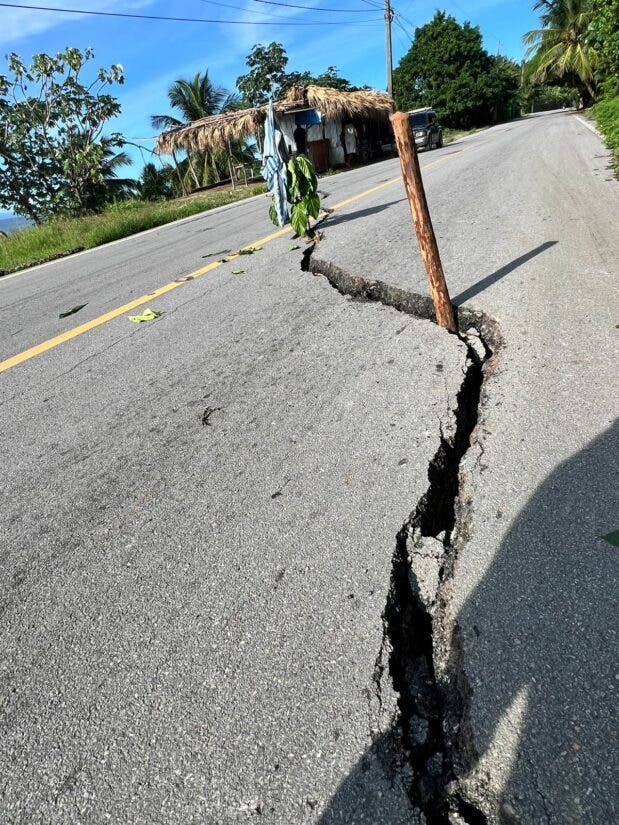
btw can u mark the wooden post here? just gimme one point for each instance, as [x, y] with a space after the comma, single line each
[421, 219]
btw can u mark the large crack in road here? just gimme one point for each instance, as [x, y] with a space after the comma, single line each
[420, 651]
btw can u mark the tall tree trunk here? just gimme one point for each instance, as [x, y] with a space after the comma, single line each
[29, 210]
[178, 172]
[193, 171]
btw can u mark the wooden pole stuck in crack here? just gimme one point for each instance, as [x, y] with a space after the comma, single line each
[421, 219]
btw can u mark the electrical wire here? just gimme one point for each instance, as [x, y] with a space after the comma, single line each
[270, 15]
[273, 15]
[398, 22]
[125, 15]
[311, 8]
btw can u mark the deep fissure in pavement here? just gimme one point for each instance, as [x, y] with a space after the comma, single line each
[433, 707]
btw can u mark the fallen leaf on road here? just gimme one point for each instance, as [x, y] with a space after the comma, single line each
[238, 272]
[222, 261]
[293, 247]
[206, 415]
[72, 311]
[249, 250]
[147, 315]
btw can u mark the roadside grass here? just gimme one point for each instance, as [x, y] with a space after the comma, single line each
[449, 135]
[606, 114]
[62, 236]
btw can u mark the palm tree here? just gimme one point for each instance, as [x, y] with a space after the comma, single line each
[111, 162]
[195, 99]
[560, 49]
[155, 184]
[102, 184]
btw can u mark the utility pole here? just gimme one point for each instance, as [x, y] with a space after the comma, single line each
[388, 21]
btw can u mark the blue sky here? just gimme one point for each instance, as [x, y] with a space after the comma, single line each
[154, 53]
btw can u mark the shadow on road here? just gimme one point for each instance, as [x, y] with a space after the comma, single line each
[540, 625]
[542, 620]
[361, 213]
[373, 792]
[475, 289]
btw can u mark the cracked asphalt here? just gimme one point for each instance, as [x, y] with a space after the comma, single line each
[190, 615]
[192, 612]
[527, 228]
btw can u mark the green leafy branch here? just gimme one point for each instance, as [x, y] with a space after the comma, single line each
[302, 194]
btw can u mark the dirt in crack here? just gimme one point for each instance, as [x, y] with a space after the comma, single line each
[426, 723]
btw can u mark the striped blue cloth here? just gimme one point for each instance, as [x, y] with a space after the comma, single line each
[274, 166]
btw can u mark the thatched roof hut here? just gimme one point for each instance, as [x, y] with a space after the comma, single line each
[219, 131]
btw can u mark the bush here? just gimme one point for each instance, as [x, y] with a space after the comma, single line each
[606, 114]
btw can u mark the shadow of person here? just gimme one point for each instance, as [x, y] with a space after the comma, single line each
[373, 793]
[539, 633]
[539, 638]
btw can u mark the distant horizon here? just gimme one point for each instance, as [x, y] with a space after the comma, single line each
[8, 220]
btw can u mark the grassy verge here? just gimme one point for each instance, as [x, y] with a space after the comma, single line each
[449, 135]
[62, 236]
[606, 114]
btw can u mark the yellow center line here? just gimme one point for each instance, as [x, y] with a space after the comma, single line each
[38, 349]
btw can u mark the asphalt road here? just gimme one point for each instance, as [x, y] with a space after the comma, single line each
[191, 613]
[527, 227]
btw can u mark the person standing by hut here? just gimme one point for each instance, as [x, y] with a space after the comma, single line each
[351, 140]
[300, 138]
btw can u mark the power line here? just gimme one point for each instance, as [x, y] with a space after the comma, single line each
[311, 8]
[125, 15]
[401, 40]
[271, 15]
[469, 15]
[279, 16]
[406, 19]
[401, 25]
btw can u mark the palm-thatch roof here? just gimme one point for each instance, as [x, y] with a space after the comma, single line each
[218, 131]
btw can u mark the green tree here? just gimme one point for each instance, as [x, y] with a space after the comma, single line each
[604, 37]
[266, 76]
[508, 95]
[561, 50]
[51, 124]
[154, 183]
[540, 98]
[447, 68]
[194, 99]
[104, 184]
[332, 80]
